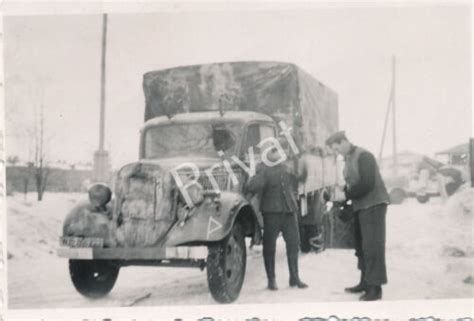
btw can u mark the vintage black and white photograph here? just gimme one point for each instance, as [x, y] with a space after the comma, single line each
[239, 155]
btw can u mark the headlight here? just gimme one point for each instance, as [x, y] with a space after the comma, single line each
[99, 195]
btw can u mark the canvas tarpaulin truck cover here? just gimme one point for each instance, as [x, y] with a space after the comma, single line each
[280, 90]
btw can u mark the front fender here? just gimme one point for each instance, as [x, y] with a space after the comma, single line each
[209, 221]
[86, 221]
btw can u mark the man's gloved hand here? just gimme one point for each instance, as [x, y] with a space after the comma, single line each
[346, 212]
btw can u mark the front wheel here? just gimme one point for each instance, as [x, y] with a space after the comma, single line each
[93, 278]
[397, 196]
[226, 263]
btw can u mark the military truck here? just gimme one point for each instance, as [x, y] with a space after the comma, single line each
[181, 204]
[418, 176]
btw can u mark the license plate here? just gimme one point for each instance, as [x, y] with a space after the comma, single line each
[70, 241]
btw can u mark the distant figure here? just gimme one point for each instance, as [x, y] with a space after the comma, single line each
[366, 189]
[276, 186]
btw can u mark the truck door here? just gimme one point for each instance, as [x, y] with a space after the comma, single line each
[255, 133]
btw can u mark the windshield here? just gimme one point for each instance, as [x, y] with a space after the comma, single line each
[202, 139]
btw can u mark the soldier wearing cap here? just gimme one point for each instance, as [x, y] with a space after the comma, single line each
[275, 182]
[366, 189]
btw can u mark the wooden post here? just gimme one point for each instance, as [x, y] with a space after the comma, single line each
[390, 106]
[471, 160]
[101, 156]
[384, 133]
[102, 83]
[394, 119]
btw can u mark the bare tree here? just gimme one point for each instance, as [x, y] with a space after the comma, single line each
[40, 168]
[13, 160]
[29, 128]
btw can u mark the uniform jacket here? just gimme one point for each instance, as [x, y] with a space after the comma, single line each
[365, 186]
[276, 187]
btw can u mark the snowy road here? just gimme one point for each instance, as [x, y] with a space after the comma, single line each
[417, 266]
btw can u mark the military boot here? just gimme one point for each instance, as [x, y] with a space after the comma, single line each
[294, 277]
[359, 287]
[372, 293]
[270, 270]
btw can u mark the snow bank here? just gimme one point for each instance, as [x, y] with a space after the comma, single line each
[461, 203]
[457, 215]
[429, 256]
[34, 227]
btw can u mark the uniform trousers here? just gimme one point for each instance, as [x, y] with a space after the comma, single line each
[273, 224]
[370, 244]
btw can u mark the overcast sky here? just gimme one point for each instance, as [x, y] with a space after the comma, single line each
[56, 60]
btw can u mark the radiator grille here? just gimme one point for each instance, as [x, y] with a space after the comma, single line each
[221, 177]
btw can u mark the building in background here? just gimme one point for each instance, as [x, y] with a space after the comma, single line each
[63, 177]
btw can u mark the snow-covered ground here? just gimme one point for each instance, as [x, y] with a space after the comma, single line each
[429, 255]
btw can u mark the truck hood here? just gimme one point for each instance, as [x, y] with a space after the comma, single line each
[145, 193]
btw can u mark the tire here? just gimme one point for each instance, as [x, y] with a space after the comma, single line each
[423, 198]
[93, 278]
[397, 196]
[451, 188]
[226, 262]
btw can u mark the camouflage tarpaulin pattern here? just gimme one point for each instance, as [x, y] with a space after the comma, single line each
[318, 108]
[277, 89]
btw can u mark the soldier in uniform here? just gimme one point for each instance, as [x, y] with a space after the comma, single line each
[276, 186]
[366, 189]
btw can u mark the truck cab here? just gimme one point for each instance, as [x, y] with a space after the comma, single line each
[148, 221]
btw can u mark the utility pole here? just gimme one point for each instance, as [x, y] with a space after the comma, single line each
[391, 106]
[471, 160]
[394, 118]
[102, 82]
[101, 156]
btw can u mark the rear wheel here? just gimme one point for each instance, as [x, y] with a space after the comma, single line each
[226, 262]
[423, 198]
[93, 278]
